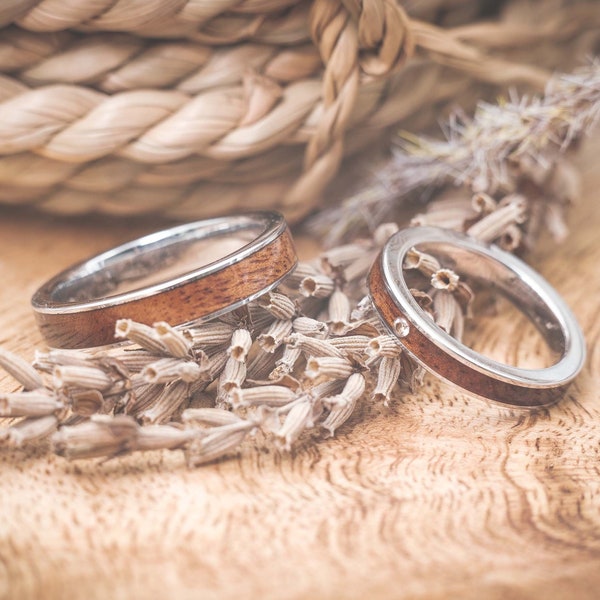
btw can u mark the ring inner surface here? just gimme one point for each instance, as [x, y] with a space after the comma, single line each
[496, 276]
[157, 261]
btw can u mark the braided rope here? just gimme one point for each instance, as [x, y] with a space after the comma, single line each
[338, 32]
[117, 62]
[211, 21]
[117, 123]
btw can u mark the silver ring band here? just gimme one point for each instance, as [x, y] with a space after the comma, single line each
[166, 276]
[452, 360]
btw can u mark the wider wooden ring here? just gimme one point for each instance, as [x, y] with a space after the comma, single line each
[78, 308]
[445, 356]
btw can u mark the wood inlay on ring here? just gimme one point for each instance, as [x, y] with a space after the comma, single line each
[185, 302]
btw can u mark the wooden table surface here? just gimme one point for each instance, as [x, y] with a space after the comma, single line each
[439, 496]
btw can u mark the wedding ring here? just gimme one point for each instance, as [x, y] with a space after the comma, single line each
[180, 275]
[445, 356]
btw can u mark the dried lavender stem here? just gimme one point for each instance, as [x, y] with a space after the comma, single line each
[313, 346]
[241, 342]
[173, 369]
[20, 369]
[267, 395]
[387, 376]
[342, 406]
[177, 343]
[271, 339]
[31, 430]
[142, 335]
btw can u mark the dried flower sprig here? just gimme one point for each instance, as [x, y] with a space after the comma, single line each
[514, 147]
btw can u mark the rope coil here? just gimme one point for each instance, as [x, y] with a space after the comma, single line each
[134, 107]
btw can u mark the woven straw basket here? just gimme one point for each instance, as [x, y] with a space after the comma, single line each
[189, 108]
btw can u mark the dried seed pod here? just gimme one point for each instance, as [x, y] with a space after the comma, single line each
[445, 279]
[211, 334]
[140, 334]
[326, 389]
[31, 430]
[313, 346]
[316, 286]
[383, 233]
[458, 325]
[171, 399]
[143, 395]
[162, 437]
[483, 204]
[423, 299]
[177, 343]
[136, 360]
[302, 270]
[421, 261]
[512, 209]
[342, 406]
[301, 416]
[511, 239]
[46, 361]
[233, 375]
[412, 373]
[266, 395]
[258, 317]
[286, 364]
[310, 327]
[271, 339]
[351, 344]
[367, 327]
[101, 436]
[216, 364]
[444, 309]
[333, 261]
[464, 296]
[212, 417]
[86, 403]
[36, 403]
[241, 342]
[328, 366]
[360, 267]
[364, 309]
[278, 305]
[339, 312]
[219, 442]
[383, 345]
[21, 370]
[309, 307]
[387, 376]
[81, 377]
[262, 364]
[165, 370]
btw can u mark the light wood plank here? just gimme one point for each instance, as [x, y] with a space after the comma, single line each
[439, 496]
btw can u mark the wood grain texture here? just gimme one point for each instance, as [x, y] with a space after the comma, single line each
[440, 496]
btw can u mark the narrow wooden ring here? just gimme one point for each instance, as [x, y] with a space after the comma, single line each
[445, 356]
[76, 309]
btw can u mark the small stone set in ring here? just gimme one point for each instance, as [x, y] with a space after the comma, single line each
[73, 309]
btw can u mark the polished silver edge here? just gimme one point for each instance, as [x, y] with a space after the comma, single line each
[274, 226]
[558, 374]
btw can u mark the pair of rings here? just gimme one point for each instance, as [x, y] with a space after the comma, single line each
[157, 277]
